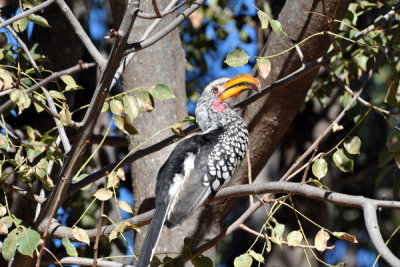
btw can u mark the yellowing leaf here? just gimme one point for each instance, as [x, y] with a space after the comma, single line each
[294, 238]
[131, 106]
[81, 235]
[125, 206]
[6, 81]
[21, 98]
[321, 239]
[257, 256]
[20, 25]
[145, 100]
[243, 260]
[3, 211]
[263, 67]
[319, 168]
[105, 107]
[116, 107]
[276, 26]
[264, 19]
[353, 145]
[346, 236]
[103, 194]
[161, 91]
[237, 58]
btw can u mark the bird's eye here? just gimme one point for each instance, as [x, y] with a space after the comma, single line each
[215, 90]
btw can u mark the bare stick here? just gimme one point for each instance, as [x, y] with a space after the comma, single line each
[80, 32]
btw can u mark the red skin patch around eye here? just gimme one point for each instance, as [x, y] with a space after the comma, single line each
[218, 106]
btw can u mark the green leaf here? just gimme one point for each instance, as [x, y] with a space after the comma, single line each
[71, 250]
[263, 67]
[353, 145]
[188, 119]
[103, 194]
[37, 107]
[131, 106]
[237, 58]
[277, 233]
[276, 26]
[27, 241]
[264, 19]
[39, 20]
[202, 261]
[257, 256]
[9, 247]
[243, 260]
[155, 262]
[20, 25]
[161, 91]
[345, 236]
[123, 124]
[56, 95]
[393, 142]
[116, 107]
[21, 98]
[81, 235]
[321, 239]
[319, 168]
[294, 238]
[343, 161]
[145, 100]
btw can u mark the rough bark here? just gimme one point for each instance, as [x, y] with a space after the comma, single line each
[163, 62]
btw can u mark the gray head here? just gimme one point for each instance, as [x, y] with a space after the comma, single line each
[214, 107]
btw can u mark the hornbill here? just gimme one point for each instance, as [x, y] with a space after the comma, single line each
[202, 163]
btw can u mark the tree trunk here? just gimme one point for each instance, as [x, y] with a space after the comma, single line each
[163, 62]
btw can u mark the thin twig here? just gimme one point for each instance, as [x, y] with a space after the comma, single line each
[277, 84]
[164, 13]
[60, 127]
[96, 242]
[26, 13]
[82, 35]
[348, 89]
[79, 67]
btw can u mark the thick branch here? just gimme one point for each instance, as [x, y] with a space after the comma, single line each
[371, 223]
[58, 231]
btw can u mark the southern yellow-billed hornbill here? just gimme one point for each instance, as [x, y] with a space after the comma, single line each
[200, 164]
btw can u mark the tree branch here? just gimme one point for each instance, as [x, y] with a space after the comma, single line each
[148, 42]
[80, 32]
[371, 223]
[26, 13]
[278, 84]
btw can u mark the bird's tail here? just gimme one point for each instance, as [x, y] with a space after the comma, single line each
[152, 236]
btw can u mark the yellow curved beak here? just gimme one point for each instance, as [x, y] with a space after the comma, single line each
[235, 86]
